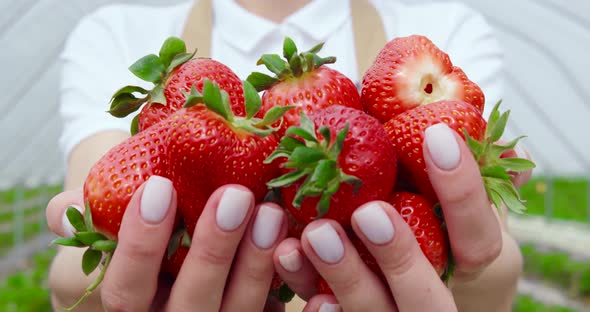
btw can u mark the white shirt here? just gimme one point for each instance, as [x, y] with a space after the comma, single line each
[104, 44]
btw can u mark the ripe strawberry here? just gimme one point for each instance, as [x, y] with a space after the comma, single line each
[112, 180]
[346, 162]
[412, 71]
[406, 131]
[419, 213]
[210, 147]
[302, 80]
[173, 73]
[178, 247]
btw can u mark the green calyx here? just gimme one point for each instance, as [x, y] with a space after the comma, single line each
[293, 65]
[99, 250]
[313, 159]
[495, 170]
[151, 68]
[217, 100]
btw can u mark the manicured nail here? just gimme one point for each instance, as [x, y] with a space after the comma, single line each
[266, 226]
[232, 208]
[374, 223]
[326, 243]
[292, 261]
[443, 146]
[155, 200]
[66, 225]
[330, 307]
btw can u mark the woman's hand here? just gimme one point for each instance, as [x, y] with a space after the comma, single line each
[487, 260]
[228, 267]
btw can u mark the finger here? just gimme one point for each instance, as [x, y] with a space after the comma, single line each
[253, 268]
[327, 247]
[322, 303]
[295, 269]
[57, 220]
[414, 283]
[474, 231]
[131, 280]
[220, 228]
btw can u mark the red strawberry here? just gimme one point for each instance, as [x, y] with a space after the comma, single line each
[173, 73]
[302, 80]
[406, 131]
[340, 158]
[419, 213]
[178, 247]
[210, 147]
[412, 71]
[111, 182]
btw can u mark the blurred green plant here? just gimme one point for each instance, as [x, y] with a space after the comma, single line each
[27, 290]
[528, 304]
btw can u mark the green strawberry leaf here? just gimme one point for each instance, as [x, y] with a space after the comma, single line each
[496, 172]
[327, 135]
[157, 95]
[104, 245]
[88, 238]
[125, 104]
[316, 48]
[261, 81]
[67, 241]
[273, 63]
[287, 179]
[516, 164]
[90, 260]
[285, 293]
[129, 89]
[180, 59]
[213, 98]
[76, 219]
[252, 100]
[340, 140]
[192, 98]
[289, 48]
[171, 47]
[302, 156]
[134, 125]
[300, 132]
[273, 115]
[88, 217]
[149, 68]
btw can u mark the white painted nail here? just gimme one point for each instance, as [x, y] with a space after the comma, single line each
[232, 208]
[326, 243]
[266, 226]
[155, 200]
[374, 223]
[443, 146]
[292, 261]
[67, 227]
[330, 307]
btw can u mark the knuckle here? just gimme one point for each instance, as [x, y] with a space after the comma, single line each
[139, 250]
[217, 256]
[346, 284]
[476, 258]
[258, 272]
[394, 263]
[113, 301]
[462, 193]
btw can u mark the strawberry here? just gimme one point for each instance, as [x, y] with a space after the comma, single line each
[419, 213]
[304, 81]
[210, 147]
[406, 132]
[412, 71]
[346, 162]
[173, 73]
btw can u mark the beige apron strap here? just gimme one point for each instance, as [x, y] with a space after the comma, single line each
[198, 27]
[369, 34]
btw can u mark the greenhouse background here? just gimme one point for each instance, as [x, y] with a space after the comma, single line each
[546, 45]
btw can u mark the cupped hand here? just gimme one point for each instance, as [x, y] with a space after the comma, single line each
[487, 260]
[229, 265]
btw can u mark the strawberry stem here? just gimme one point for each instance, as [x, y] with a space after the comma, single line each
[96, 282]
[217, 100]
[293, 65]
[495, 170]
[313, 159]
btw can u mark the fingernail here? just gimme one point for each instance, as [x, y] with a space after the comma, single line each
[155, 200]
[266, 226]
[329, 307]
[442, 146]
[292, 261]
[326, 243]
[66, 225]
[232, 208]
[374, 223]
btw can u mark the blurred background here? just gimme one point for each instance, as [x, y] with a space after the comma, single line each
[546, 43]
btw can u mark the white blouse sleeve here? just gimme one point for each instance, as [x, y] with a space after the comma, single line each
[93, 68]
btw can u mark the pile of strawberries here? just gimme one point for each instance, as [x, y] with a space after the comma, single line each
[313, 142]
